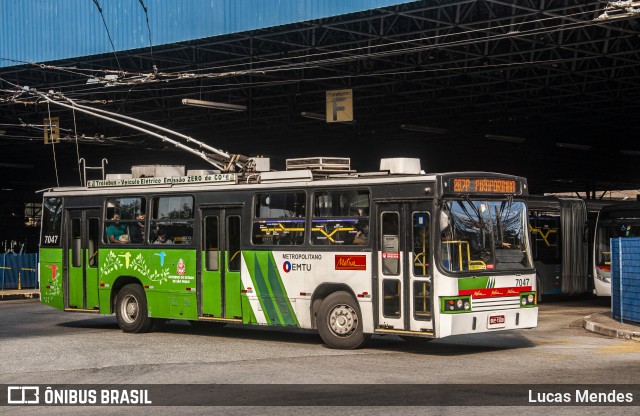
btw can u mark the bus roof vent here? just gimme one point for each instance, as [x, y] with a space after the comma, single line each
[114, 176]
[320, 164]
[202, 172]
[283, 176]
[150, 171]
[262, 164]
[401, 166]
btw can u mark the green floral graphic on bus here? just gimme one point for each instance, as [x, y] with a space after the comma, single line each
[113, 262]
[139, 264]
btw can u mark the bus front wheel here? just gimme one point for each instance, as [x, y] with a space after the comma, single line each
[339, 322]
[131, 309]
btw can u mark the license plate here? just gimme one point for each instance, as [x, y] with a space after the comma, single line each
[496, 321]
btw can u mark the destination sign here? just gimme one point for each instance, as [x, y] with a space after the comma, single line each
[213, 178]
[484, 186]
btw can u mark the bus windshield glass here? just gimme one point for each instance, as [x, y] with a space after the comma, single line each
[484, 235]
[607, 230]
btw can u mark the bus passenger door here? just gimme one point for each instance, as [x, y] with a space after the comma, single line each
[221, 259]
[405, 290]
[81, 260]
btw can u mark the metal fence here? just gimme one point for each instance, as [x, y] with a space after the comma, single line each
[18, 271]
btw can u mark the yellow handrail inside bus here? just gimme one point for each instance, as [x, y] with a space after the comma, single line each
[234, 256]
[472, 264]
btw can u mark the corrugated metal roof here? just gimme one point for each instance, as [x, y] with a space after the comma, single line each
[44, 30]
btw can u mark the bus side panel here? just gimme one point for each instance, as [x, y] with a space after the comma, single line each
[248, 317]
[353, 270]
[268, 297]
[280, 284]
[167, 273]
[51, 290]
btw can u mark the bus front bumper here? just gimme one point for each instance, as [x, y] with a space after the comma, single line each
[487, 321]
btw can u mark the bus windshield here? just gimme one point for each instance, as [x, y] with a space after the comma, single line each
[608, 230]
[484, 235]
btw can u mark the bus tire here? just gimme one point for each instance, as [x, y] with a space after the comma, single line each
[131, 309]
[339, 322]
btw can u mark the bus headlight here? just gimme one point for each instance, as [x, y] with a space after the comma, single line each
[458, 304]
[528, 299]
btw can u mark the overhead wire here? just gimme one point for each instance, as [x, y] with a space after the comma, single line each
[307, 65]
[390, 44]
[317, 64]
[228, 87]
[108, 34]
[218, 158]
[338, 60]
[75, 131]
[53, 145]
[153, 63]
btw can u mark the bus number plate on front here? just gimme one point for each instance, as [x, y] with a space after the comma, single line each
[496, 321]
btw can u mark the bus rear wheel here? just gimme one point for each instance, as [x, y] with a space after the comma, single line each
[131, 309]
[339, 322]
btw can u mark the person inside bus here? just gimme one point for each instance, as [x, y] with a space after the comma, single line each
[478, 249]
[161, 238]
[117, 232]
[136, 231]
[361, 237]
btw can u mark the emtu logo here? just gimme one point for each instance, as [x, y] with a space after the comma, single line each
[23, 395]
[286, 266]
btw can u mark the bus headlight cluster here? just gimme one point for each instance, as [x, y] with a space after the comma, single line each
[528, 299]
[456, 304]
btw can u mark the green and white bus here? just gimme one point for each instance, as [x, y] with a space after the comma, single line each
[349, 254]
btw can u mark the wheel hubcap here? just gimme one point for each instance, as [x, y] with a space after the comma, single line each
[343, 320]
[129, 309]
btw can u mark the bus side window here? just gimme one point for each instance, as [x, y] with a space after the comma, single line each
[76, 245]
[94, 236]
[173, 216]
[390, 244]
[233, 243]
[421, 249]
[122, 214]
[340, 217]
[211, 244]
[279, 218]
